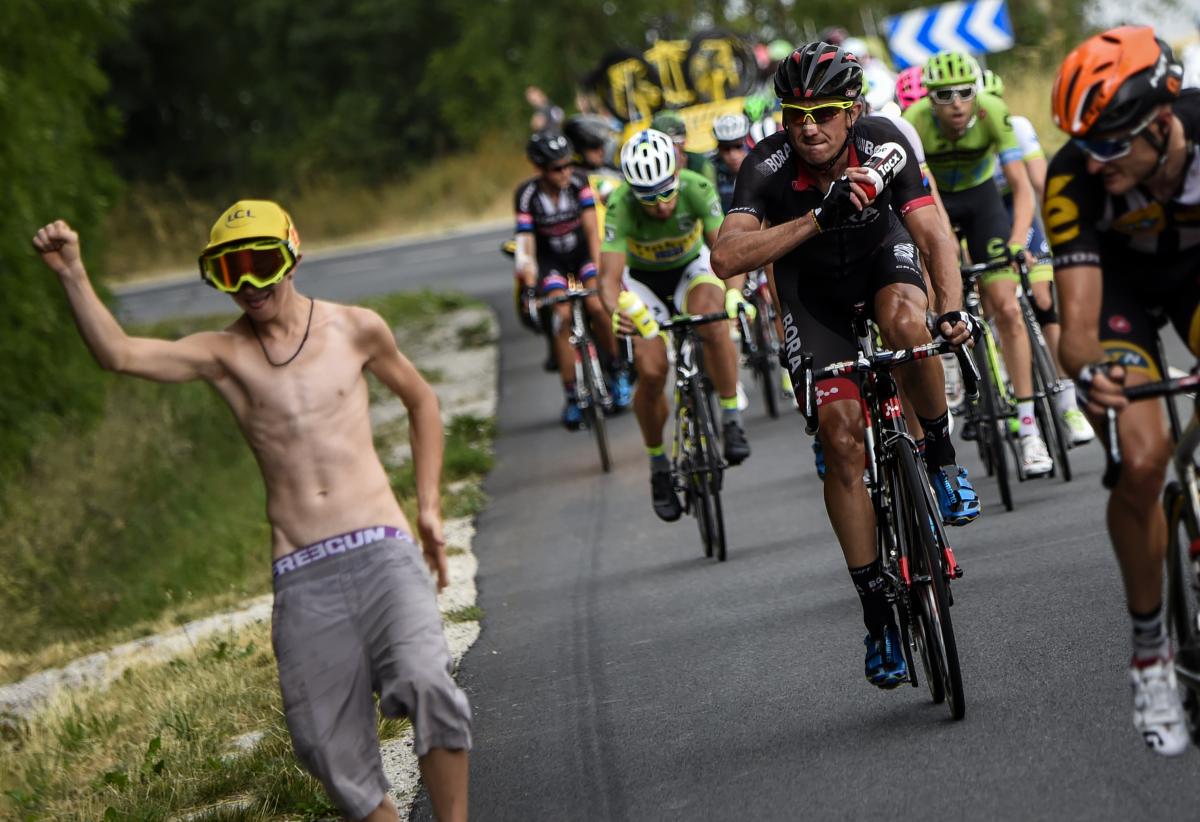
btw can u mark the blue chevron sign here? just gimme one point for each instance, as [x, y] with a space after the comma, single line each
[978, 27]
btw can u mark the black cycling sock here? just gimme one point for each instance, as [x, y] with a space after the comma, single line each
[939, 449]
[877, 612]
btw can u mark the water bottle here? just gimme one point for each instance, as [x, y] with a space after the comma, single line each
[632, 307]
[885, 162]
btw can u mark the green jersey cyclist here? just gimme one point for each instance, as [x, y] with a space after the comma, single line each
[661, 223]
[963, 130]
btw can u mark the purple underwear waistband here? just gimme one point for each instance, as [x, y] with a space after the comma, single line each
[336, 546]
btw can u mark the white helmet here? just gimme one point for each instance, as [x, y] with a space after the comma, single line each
[762, 129]
[729, 128]
[648, 161]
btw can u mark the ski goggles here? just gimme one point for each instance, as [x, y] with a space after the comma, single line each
[1105, 150]
[664, 193]
[260, 263]
[819, 114]
[946, 96]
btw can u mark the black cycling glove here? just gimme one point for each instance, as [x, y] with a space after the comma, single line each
[955, 317]
[837, 207]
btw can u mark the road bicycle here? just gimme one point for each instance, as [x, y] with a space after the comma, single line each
[591, 390]
[917, 558]
[995, 415]
[760, 341]
[1181, 504]
[697, 466]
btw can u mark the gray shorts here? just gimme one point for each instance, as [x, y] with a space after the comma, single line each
[349, 624]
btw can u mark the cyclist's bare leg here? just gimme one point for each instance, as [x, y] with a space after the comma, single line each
[601, 324]
[1000, 298]
[720, 354]
[649, 402]
[846, 499]
[562, 339]
[901, 309]
[1135, 517]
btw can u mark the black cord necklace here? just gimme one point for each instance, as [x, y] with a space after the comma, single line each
[263, 346]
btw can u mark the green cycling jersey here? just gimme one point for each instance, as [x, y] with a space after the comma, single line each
[651, 244]
[969, 161]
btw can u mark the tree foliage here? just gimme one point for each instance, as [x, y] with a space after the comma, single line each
[50, 167]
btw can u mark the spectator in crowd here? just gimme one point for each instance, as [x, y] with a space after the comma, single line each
[546, 115]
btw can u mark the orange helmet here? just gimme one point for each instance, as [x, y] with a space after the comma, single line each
[1113, 81]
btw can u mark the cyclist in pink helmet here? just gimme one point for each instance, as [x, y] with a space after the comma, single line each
[909, 88]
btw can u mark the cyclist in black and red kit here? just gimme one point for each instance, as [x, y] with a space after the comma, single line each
[1123, 218]
[799, 203]
[557, 236]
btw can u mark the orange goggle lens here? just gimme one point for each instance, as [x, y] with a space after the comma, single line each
[257, 265]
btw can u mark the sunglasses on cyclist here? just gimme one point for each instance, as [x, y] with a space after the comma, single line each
[664, 194]
[1107, 149]
[819, 114]
[730, 146]
[260, 263]
[946, 96]
[561, 167]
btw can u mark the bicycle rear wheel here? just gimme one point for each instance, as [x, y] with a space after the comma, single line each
[707, 470]
[929, 589]
[766, 364]
[1183, 609]
[593, 412]
[991, 432]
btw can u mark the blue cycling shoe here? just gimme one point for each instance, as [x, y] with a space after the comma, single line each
[885, 665]
[622, 393]
[819, 457]
[957, 500]
[572, 416]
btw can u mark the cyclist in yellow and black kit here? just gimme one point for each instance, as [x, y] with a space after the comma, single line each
[1122, 212]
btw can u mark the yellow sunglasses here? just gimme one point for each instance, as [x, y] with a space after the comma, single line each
[820, 114]
[261, 263]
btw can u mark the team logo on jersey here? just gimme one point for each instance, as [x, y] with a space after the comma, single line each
[1151, 218]
[1060, 213]
[775, 162]
[715, 208]
[1120, 324]
[906, 255]
[610, 233]
[687, 222]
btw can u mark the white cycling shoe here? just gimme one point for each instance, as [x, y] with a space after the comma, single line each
[1078, 425]
[1157, 711]
[1035, 460]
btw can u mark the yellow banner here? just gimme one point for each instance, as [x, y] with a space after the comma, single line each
[699, 120]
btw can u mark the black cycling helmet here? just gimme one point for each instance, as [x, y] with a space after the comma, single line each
[587, 131]
[819, 70]
[546, 147]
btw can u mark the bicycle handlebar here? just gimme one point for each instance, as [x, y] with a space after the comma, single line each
[1145, 391]
[880, 361]
[580, 294]
[687, 320]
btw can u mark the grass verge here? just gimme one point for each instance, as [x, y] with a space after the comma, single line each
[157, 745]
[162, 228]
[156, 517]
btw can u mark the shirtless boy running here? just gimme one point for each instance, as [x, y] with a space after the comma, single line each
[354, 610]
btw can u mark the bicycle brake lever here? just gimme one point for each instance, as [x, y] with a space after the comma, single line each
[808, 406]
[970, 373]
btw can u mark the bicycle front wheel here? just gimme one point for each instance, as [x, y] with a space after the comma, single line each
[929, 591]
[593, 413]
[1054, 427]
[1183, 609]
[991, 430]
[707, 474]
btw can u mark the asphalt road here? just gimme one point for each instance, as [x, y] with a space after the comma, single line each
[621, 675]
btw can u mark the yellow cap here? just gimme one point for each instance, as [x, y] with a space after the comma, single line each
[254, 219]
